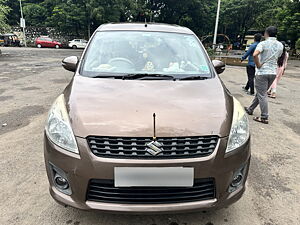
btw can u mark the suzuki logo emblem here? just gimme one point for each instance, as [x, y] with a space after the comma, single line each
[154, 148]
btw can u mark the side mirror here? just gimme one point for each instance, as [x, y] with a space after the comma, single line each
[70, 63]
[219, 66]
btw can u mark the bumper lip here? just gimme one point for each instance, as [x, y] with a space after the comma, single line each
[204, 205]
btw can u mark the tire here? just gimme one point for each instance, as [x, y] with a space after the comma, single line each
[74, 46]
[39, 45]
[56, 46]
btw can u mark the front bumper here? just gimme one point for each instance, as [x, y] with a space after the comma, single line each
[80, 169]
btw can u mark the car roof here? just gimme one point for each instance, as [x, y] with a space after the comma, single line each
[160, 27]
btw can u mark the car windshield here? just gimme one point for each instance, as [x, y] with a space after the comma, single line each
[137, 52]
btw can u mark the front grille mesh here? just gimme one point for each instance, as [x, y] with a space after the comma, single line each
[135, 148]
[104, 191]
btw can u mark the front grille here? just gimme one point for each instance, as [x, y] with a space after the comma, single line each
[135, 148]
[104, 191]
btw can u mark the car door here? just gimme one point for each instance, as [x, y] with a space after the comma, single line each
[80, 44]
[44, 42]
[41, 41]
[83, 43]
[53, 43]
[76, 43]
[49, 42]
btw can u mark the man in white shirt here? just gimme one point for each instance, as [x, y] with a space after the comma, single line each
[265, 56]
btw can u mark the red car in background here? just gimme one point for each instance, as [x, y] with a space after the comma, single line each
[47, 42]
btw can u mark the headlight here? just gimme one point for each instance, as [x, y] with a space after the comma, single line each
[58, 127]
[239, 132]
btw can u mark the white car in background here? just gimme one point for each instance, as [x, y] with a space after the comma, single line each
[78, 43]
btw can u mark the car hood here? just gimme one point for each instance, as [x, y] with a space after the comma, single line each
[108, 107]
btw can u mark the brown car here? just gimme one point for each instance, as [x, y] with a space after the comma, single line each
[146, 126]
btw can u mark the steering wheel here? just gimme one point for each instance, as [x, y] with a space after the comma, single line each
[116, 61]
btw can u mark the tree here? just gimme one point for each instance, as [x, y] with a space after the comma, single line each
[4, 10]
[68, 17]
[13, 17]
[270, 16]
[35, 14]
[289, 21]
[106, 11]
[298, 44]
[78, 17]
[238, 16]
[82, 17]
[198, 15]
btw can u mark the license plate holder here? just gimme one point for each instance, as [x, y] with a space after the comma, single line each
[153, 176]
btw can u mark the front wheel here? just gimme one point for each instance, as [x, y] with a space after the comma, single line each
[39, 45]
[74, 46]
[56, 46]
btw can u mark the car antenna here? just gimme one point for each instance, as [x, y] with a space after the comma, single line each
[146, 22]
[154, 128]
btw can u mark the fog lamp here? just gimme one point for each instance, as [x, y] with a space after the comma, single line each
[59, 178]
[237, 179]
[61, 182]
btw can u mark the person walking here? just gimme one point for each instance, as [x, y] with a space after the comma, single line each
[282, 64]
[251, 64]
[265, 56]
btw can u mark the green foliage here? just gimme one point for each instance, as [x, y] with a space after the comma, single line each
[13, 18]
[4, 10]
[34, 14]
[238, 16]
[210, 52]
[82, 17]
[67, 17]
[199, 15]
[298, 44]
[289, 20]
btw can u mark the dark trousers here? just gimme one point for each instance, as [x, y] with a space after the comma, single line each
[251, 76]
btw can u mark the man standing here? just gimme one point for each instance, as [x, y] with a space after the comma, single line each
[251, 64]
[269, 51]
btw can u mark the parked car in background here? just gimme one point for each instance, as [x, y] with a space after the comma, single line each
[9, 40]
[47, 42]
[77, 43]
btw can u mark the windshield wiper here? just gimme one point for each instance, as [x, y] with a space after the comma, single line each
[107, 76]
[142, 75]
[194, 78]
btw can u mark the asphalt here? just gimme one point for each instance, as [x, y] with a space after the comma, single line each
[30, 80]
